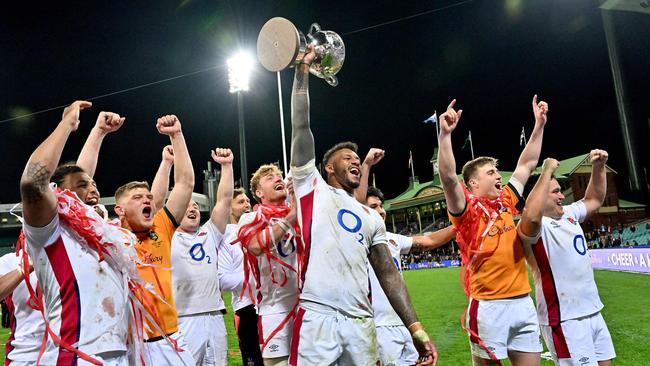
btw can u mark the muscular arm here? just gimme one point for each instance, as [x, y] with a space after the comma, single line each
[221, 212]
[597, 187]
[39, 202]
[392, 283]
[530, 155]
[531, 219]
[89, 154]
[107, 122]
[302, 140]
[181, 194]
[446, 161]
[436, 239]
[160, 184]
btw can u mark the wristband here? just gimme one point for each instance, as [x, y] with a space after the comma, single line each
[414, 327]
[421, 336]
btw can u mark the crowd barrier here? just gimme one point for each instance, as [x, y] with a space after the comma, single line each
[629, 259]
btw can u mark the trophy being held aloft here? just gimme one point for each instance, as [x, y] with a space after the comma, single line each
[281, 45]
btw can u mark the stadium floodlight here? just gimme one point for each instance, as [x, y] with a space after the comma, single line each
[239, 71]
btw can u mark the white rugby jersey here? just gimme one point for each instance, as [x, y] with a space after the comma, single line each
[84, 299]
[195, 277]
[564, 279]
[273, 298]
[231, 267]
[27, 326]
[338, 232]
[384, 313]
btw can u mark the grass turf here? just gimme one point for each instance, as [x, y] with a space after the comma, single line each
[439, 301]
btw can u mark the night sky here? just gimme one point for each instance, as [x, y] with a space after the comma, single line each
[490, 55]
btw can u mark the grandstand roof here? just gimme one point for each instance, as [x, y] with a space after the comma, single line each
[629, 204]
[570, 165]
[421, 193]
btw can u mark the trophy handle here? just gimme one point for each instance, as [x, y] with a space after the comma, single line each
[314, 28]
[332, 80]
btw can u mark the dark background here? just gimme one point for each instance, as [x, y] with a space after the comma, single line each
[490, 55]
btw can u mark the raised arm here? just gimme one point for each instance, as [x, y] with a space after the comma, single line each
[374, 156]
[106, 123]
[181, 194]
[302, 140]
[393, 285]
[446, 161]
[436, 239]
[39, 202]
[220, 215]
[531, 219]
[530, 156]
[597, 187]
[160, 184]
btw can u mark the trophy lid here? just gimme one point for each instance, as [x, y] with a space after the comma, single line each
[278, 44]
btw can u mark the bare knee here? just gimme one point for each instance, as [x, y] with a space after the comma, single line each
[278, 361]
[524, 358]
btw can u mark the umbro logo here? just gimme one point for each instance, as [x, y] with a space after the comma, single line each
[273, 348]
[584, 360]
[392, 242]
[555, 224]
[203, 233]
[153, 235]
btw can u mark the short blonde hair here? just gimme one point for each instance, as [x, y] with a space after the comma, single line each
[471, 167]
[123, 190]
[259, 173]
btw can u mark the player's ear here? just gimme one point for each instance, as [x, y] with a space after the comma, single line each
[119, 210]
[329, 168]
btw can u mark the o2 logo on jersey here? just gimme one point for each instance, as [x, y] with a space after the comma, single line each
[351, 223]
[281, 251]
[579, 244]
[198, 253]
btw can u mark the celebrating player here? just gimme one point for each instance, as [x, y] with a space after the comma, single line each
[501, 315]
[568, 305]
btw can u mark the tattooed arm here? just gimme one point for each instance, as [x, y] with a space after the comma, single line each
[302, 140]
[39, 202]
[398, 296]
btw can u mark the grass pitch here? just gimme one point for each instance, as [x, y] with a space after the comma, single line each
[439, 300]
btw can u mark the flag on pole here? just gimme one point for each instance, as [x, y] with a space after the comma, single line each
[410, 159]
[467, 140]
[433, 119]
[522, 137]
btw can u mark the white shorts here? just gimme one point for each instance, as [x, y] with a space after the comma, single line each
[114, 359]
[161, 352]
[121, 359]
[579, 342]
[327, 337]
[280, 344]
[503, 325]
[206, 338]
[396, 346]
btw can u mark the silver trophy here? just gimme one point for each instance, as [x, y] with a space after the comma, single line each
[281, 45]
